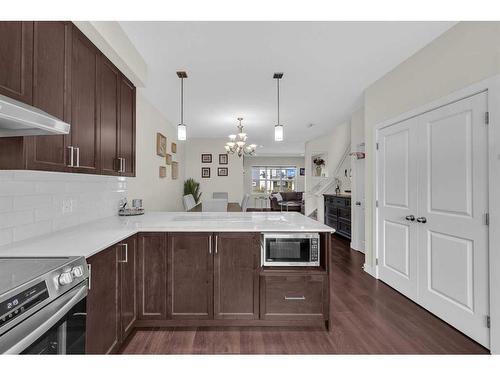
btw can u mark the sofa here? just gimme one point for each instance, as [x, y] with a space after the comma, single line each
[294, 196]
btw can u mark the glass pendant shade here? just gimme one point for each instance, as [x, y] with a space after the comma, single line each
[278, 133]
[181, 132]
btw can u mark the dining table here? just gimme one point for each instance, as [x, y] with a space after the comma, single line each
[231, 207]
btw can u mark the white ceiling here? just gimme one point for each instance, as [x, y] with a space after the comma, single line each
[230, 66]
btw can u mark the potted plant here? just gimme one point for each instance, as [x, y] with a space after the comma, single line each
[191, 186]
[319, 163]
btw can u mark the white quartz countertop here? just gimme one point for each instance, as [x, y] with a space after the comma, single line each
[88, 239]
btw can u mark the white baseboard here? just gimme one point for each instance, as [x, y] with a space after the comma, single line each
[356, 247]
[369, 270]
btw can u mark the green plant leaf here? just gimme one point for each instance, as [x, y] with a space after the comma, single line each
[191, 186]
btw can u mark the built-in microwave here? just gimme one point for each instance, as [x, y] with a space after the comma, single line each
[290, 249]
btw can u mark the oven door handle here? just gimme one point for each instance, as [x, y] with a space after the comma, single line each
[40, 322]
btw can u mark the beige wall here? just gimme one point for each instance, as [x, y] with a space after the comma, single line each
[159, 194]
[233, 183]
[469, 52]
[358, 181]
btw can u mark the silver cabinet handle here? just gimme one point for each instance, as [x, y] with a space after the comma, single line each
[123, 169]
[216, 245]
[126, 253]
[121, 165]
[77, 156]
[89, 266]
[71, 159]
[422, 219]
[302, 298]
[410, 218]
[210, 244]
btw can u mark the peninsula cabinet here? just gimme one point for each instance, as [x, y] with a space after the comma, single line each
[152, 276]
[190, 275]
[55, 67]
[111, 299]
[236, 275]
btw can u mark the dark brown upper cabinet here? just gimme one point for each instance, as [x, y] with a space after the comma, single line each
[190, 276]
[16, 60]
[110, 82]
[236, 275]
[54, 67]
[85, 114]
[51, 92]
[127, 128]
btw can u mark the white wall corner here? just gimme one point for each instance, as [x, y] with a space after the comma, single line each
[110, 38]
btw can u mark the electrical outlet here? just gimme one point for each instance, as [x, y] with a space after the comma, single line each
[67, 206]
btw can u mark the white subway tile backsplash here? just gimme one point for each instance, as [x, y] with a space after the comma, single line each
[34, 203]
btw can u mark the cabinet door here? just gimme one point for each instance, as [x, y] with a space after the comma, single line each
[190, 271]
[152, 276]
[51, 92]
[110, 80]
[127, 127]
[102, 303]
[85, 132]
[16, 62]
[236, 278]
[128, 272]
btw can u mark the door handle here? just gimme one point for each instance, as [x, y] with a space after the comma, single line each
[77, 156]
[410, 218]
[71, 158]
[302, 298]
[358, 203]
[422, 219]
[126, 253]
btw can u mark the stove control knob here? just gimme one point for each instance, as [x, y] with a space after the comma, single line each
[65, 278]
[77, 271]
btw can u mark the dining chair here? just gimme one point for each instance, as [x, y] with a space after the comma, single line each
[188, 201]
[214, 205]
[220, 195]
[244, 202]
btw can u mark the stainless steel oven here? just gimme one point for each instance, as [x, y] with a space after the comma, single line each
[43, 305]
[290, 249]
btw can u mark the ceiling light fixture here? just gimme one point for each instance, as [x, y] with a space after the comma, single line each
[181, 128]
[237, 143]
[278, 128]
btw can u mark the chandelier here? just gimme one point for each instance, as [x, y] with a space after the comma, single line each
[237, 143]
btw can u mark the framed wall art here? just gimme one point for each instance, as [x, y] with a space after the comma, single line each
[223, 159]
[174, 148]
[223, 172]
[163, 172]
[205, 172]
[168, 159]
[175, 170]
[161, 145]
[206, 158]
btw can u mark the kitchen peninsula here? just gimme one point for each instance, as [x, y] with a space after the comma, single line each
[168, 269]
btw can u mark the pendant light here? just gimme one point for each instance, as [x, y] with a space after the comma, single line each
[181, 128]
[278, 128]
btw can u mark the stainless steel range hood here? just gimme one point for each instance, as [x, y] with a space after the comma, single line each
[20, 119]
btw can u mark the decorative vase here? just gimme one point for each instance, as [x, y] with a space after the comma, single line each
[319, 169]
[337, 190]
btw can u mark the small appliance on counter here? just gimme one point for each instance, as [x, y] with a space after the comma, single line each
[135, 210]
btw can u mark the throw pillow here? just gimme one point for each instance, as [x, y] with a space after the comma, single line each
[278, 197]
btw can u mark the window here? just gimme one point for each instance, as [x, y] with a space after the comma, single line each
[273, 179]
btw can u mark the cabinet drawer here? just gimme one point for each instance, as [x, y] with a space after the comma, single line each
[344, 213]
[291, 297]
[331, 221]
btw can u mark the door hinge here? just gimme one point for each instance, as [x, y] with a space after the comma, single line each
[487, 118]
[376, 262]
[376, 145]
[488, 321]
[487, 218]
[376, 203]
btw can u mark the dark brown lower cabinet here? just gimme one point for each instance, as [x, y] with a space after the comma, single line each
[111, 304]
[236, 275]
[152, 276]
[190, 276]
[294, 297]
[127, 258]
[102, 303]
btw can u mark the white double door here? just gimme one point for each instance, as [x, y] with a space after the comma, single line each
[432, 176]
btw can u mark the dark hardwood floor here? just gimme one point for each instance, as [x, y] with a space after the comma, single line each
[369, 318]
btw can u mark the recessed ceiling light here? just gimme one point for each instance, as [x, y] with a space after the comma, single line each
[309, 125]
